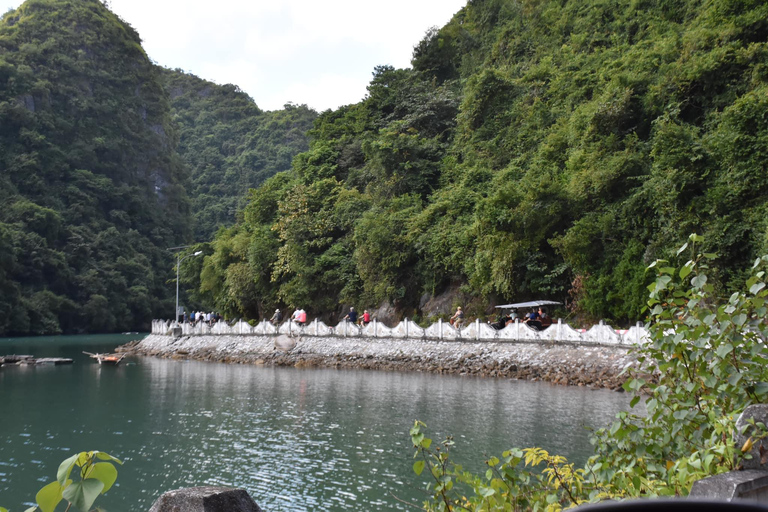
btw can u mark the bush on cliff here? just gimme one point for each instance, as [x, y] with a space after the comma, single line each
[705, 363]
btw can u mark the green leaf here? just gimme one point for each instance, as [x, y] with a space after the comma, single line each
[106, 456]
[82, 494]
[65, 468]
[105, 473]
[634, 401]
[685, 271]
[418, 466]
[681, 249]
[755, 288]
[486, 492]
[699, 281]
[761, 388]
[49, 496]
[724, 350]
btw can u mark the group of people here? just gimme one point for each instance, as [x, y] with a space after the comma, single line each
[299, 316]
[197, 317]
[536, 319]
[352, 316]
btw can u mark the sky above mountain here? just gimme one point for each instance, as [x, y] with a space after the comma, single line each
[301, 51]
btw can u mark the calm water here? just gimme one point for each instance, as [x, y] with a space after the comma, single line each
[296, 439]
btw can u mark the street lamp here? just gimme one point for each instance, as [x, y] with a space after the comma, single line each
[179, 259]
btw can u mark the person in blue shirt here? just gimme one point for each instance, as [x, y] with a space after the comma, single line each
[533, 320]
[351, 316]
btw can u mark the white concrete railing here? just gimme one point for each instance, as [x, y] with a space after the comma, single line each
[475, 331]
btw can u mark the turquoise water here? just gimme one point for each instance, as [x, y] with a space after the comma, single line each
[296, 439]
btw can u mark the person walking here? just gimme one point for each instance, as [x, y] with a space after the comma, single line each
[276, 318]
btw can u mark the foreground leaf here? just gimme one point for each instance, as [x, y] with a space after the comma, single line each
[105, 473]
[49, 496]
[83, 494]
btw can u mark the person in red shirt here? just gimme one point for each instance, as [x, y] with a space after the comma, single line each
[302, 321]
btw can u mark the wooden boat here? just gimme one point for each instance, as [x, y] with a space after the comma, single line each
[111, 359]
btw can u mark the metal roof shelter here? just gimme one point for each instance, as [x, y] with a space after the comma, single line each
[531, 304]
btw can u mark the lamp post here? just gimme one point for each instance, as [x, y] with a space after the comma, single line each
[179, 259]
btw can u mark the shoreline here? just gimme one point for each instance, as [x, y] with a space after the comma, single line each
[596, 366]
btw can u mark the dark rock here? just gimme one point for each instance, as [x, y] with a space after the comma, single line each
[16, 359]
[759, 450]
[205, 499]
[751, 484]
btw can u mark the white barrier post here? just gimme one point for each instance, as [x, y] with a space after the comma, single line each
[477, 328]
[440, 327]
[406, 328]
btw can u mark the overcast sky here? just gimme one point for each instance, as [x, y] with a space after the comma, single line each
[320, 53]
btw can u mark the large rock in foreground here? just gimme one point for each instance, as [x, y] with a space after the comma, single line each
[205, 499]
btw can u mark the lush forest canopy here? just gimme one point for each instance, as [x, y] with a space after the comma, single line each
[229, 145]
[99, 151]
[536, 149]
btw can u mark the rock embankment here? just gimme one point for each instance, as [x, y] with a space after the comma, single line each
[564, 364]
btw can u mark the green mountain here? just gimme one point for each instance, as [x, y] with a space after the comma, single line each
[536, 149]
[229, 145]
[90, 180]
[106, 162]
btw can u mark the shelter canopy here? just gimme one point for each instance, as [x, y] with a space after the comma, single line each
[531, 304]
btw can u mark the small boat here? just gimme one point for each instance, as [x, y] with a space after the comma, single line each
[111, 359]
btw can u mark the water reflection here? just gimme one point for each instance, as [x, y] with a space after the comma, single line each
[297, 439]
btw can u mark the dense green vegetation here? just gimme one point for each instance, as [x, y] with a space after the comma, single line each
[91, 185]
[229, 145]
[98, 151]
[546, 149]
[536, 149]
[706, 363]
